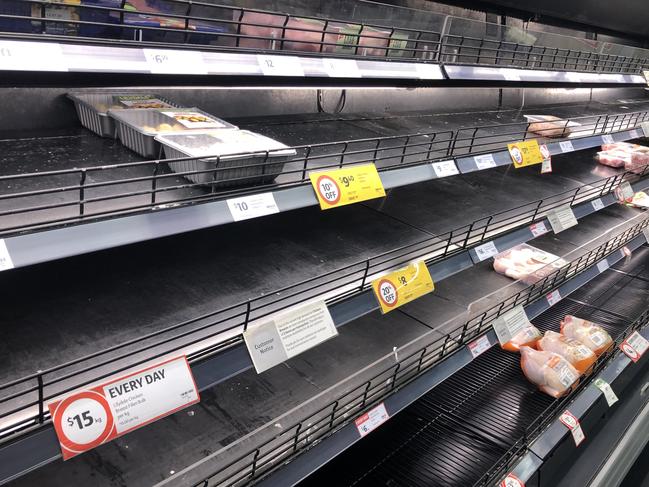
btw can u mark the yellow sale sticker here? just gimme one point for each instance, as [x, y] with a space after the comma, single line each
[525, 153]
[402, 286]
[348, 185]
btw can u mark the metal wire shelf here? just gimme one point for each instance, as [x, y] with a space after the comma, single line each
[309, 431]
[94, 193]
[184, 23]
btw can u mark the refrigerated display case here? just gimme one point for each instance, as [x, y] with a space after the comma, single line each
[160, 199]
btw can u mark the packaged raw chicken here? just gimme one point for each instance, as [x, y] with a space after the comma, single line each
[527, 263]
[614, 157]
[552, 373]
[639, 161]
[527, 337]
[579, 355]
[549, 125]
[587, 332]
[623, 146]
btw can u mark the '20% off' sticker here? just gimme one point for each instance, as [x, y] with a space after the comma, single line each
[402, 286]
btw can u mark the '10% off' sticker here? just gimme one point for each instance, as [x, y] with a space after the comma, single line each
[402, 286]
[345, 186]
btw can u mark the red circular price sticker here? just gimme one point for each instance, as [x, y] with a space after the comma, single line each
[388, 293]
[512, 481]
[83, 421]
[629, 351]
[516, 154]
[328, 190]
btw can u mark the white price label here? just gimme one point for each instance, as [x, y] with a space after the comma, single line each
[485, 161]
[566, 146]
[510, 74]
[86, 419]
[607, 139]
[485, 251]
[428, 71]
[280, 65]
[562, 219]
[635, 134]
[605, 387]
[171, 61]
[644, 126]
[572, 423]
[538, 229]
[546, 166]
[5, 259]
[31, 56]
[289, 334]
[479, 346]
[598, 204]
[573, 77]
[444, 169]
[624, 191]
[252, 206]
[645, 232]
[341, 68]
[554, 297]
[510, 323]
[602, 265]
[635, 346]
[372, 419]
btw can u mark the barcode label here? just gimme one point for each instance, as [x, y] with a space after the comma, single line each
[566, 146]
[598, 204]
[485, 251]
[484, 161]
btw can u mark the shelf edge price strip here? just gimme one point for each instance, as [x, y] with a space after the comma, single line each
[525, 153]
[86, 419]
[402, 286]
[346, 186]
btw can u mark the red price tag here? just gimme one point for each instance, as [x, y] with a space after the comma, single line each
[572, 423]
[512, 481]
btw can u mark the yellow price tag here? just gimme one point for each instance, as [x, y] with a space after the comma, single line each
[345, 186]
[402, 286]
[525, 153]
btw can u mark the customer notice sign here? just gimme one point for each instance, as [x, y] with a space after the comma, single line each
[86, 419]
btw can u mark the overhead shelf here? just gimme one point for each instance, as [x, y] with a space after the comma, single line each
[191, 38]
[62, 212]
[203, 369]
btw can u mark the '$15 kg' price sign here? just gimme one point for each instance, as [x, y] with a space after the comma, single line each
[346, 186]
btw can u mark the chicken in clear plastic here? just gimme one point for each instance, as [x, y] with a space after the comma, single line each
[552, 373]
[527, 337]
[591, 335]
[579, 355]
[527, 263]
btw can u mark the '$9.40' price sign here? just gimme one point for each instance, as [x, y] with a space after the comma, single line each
[402, 286]
[345, 186]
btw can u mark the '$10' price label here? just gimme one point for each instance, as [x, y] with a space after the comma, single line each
[346, 186]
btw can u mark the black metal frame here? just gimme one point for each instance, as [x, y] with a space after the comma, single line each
[231, 26]
[387, 153]
[297, 437]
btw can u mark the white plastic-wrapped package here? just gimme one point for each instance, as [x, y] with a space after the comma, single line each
[552, 373]
[587, 332]
[527, 263]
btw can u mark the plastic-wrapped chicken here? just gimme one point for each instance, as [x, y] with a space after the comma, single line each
[587, 332]
[552, 373]
[527, 263]
[527, 337]
[579, 355]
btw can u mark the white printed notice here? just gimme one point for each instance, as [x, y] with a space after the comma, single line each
[562, 219]
[289, 334]
[510, 323]
[252, 206]
[5, 257]
[84, 420]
